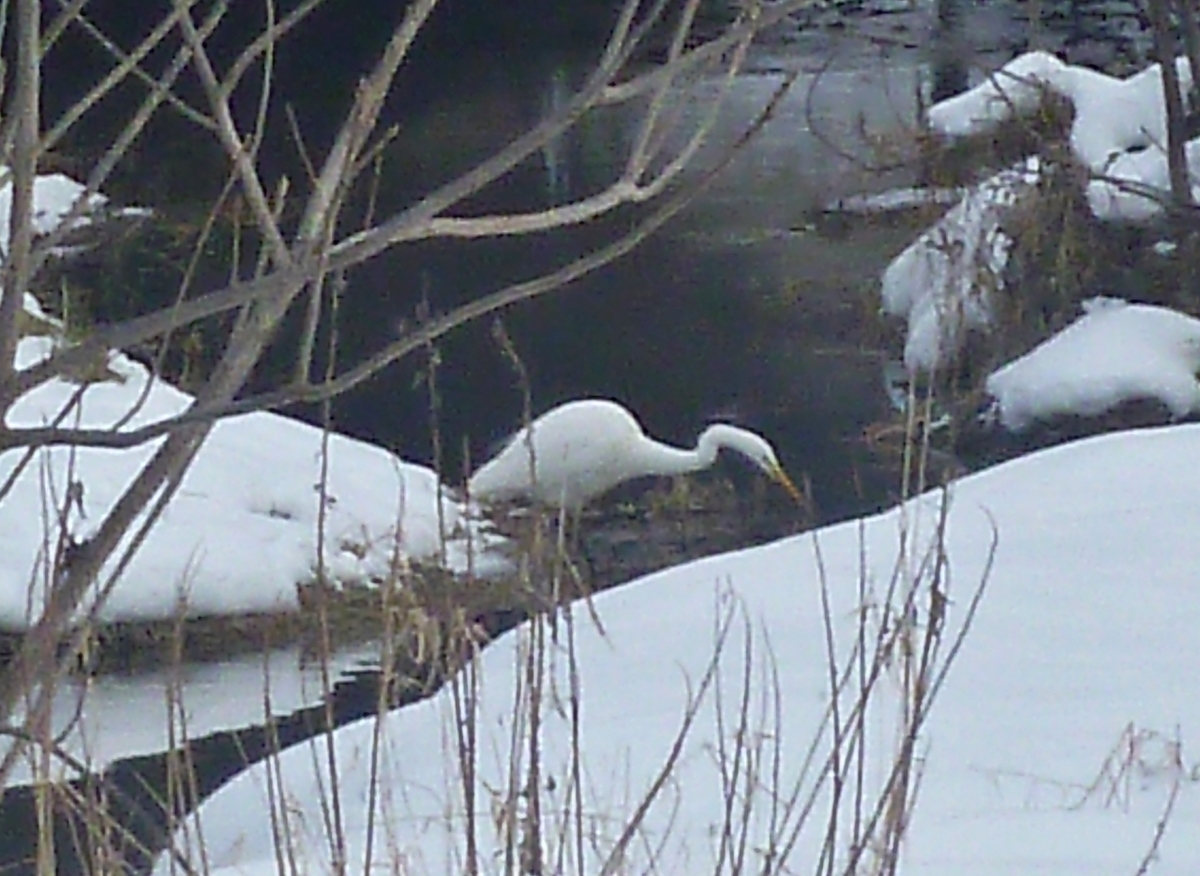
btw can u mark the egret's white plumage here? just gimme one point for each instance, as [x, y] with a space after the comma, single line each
[582, 449]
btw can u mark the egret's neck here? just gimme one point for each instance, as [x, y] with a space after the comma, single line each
[662, 459]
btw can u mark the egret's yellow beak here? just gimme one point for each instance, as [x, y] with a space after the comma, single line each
[780, 476]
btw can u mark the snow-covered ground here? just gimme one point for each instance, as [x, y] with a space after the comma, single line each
[1119, 131]
[243, 530]
[1114, 353]
[1084, 646]
[944, 282]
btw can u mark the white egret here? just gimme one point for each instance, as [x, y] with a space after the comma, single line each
[582, 449]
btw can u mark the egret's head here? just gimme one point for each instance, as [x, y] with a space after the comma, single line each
[758, 450]
[776, 473]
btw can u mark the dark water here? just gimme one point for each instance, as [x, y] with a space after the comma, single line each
[699, 322]
[738, 309]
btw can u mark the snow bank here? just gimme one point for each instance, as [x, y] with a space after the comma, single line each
[1014, 90]
[54, 196]
[1115, 352]
[943, 282]
[1112, 115]
[242, 530]
[1087, 627]
[1136, 183]
[1119, 131]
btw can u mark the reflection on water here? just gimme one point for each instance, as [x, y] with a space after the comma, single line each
[125, 715]
[133, 718]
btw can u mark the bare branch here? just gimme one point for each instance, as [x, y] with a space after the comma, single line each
[237, 150]
[128, 65]
[360, 122]
[415, 340]
[637, 156]
[26, 104]
[264, 43]
[120, 147]
[1164, 51]
[143, 328]
[70, 11]
[768, 15]
[364, 245]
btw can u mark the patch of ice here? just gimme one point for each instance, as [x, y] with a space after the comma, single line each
[90, 715]
[1114, 353]
[906, 198]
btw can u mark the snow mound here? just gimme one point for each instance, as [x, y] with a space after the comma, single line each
[942, 283]
[1112, 115]
[242, 531]
[1014, 90]
[1119, 131]
[1115, 352]
[1135, 184]
[54, 196]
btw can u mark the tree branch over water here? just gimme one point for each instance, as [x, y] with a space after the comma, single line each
[659, 172]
